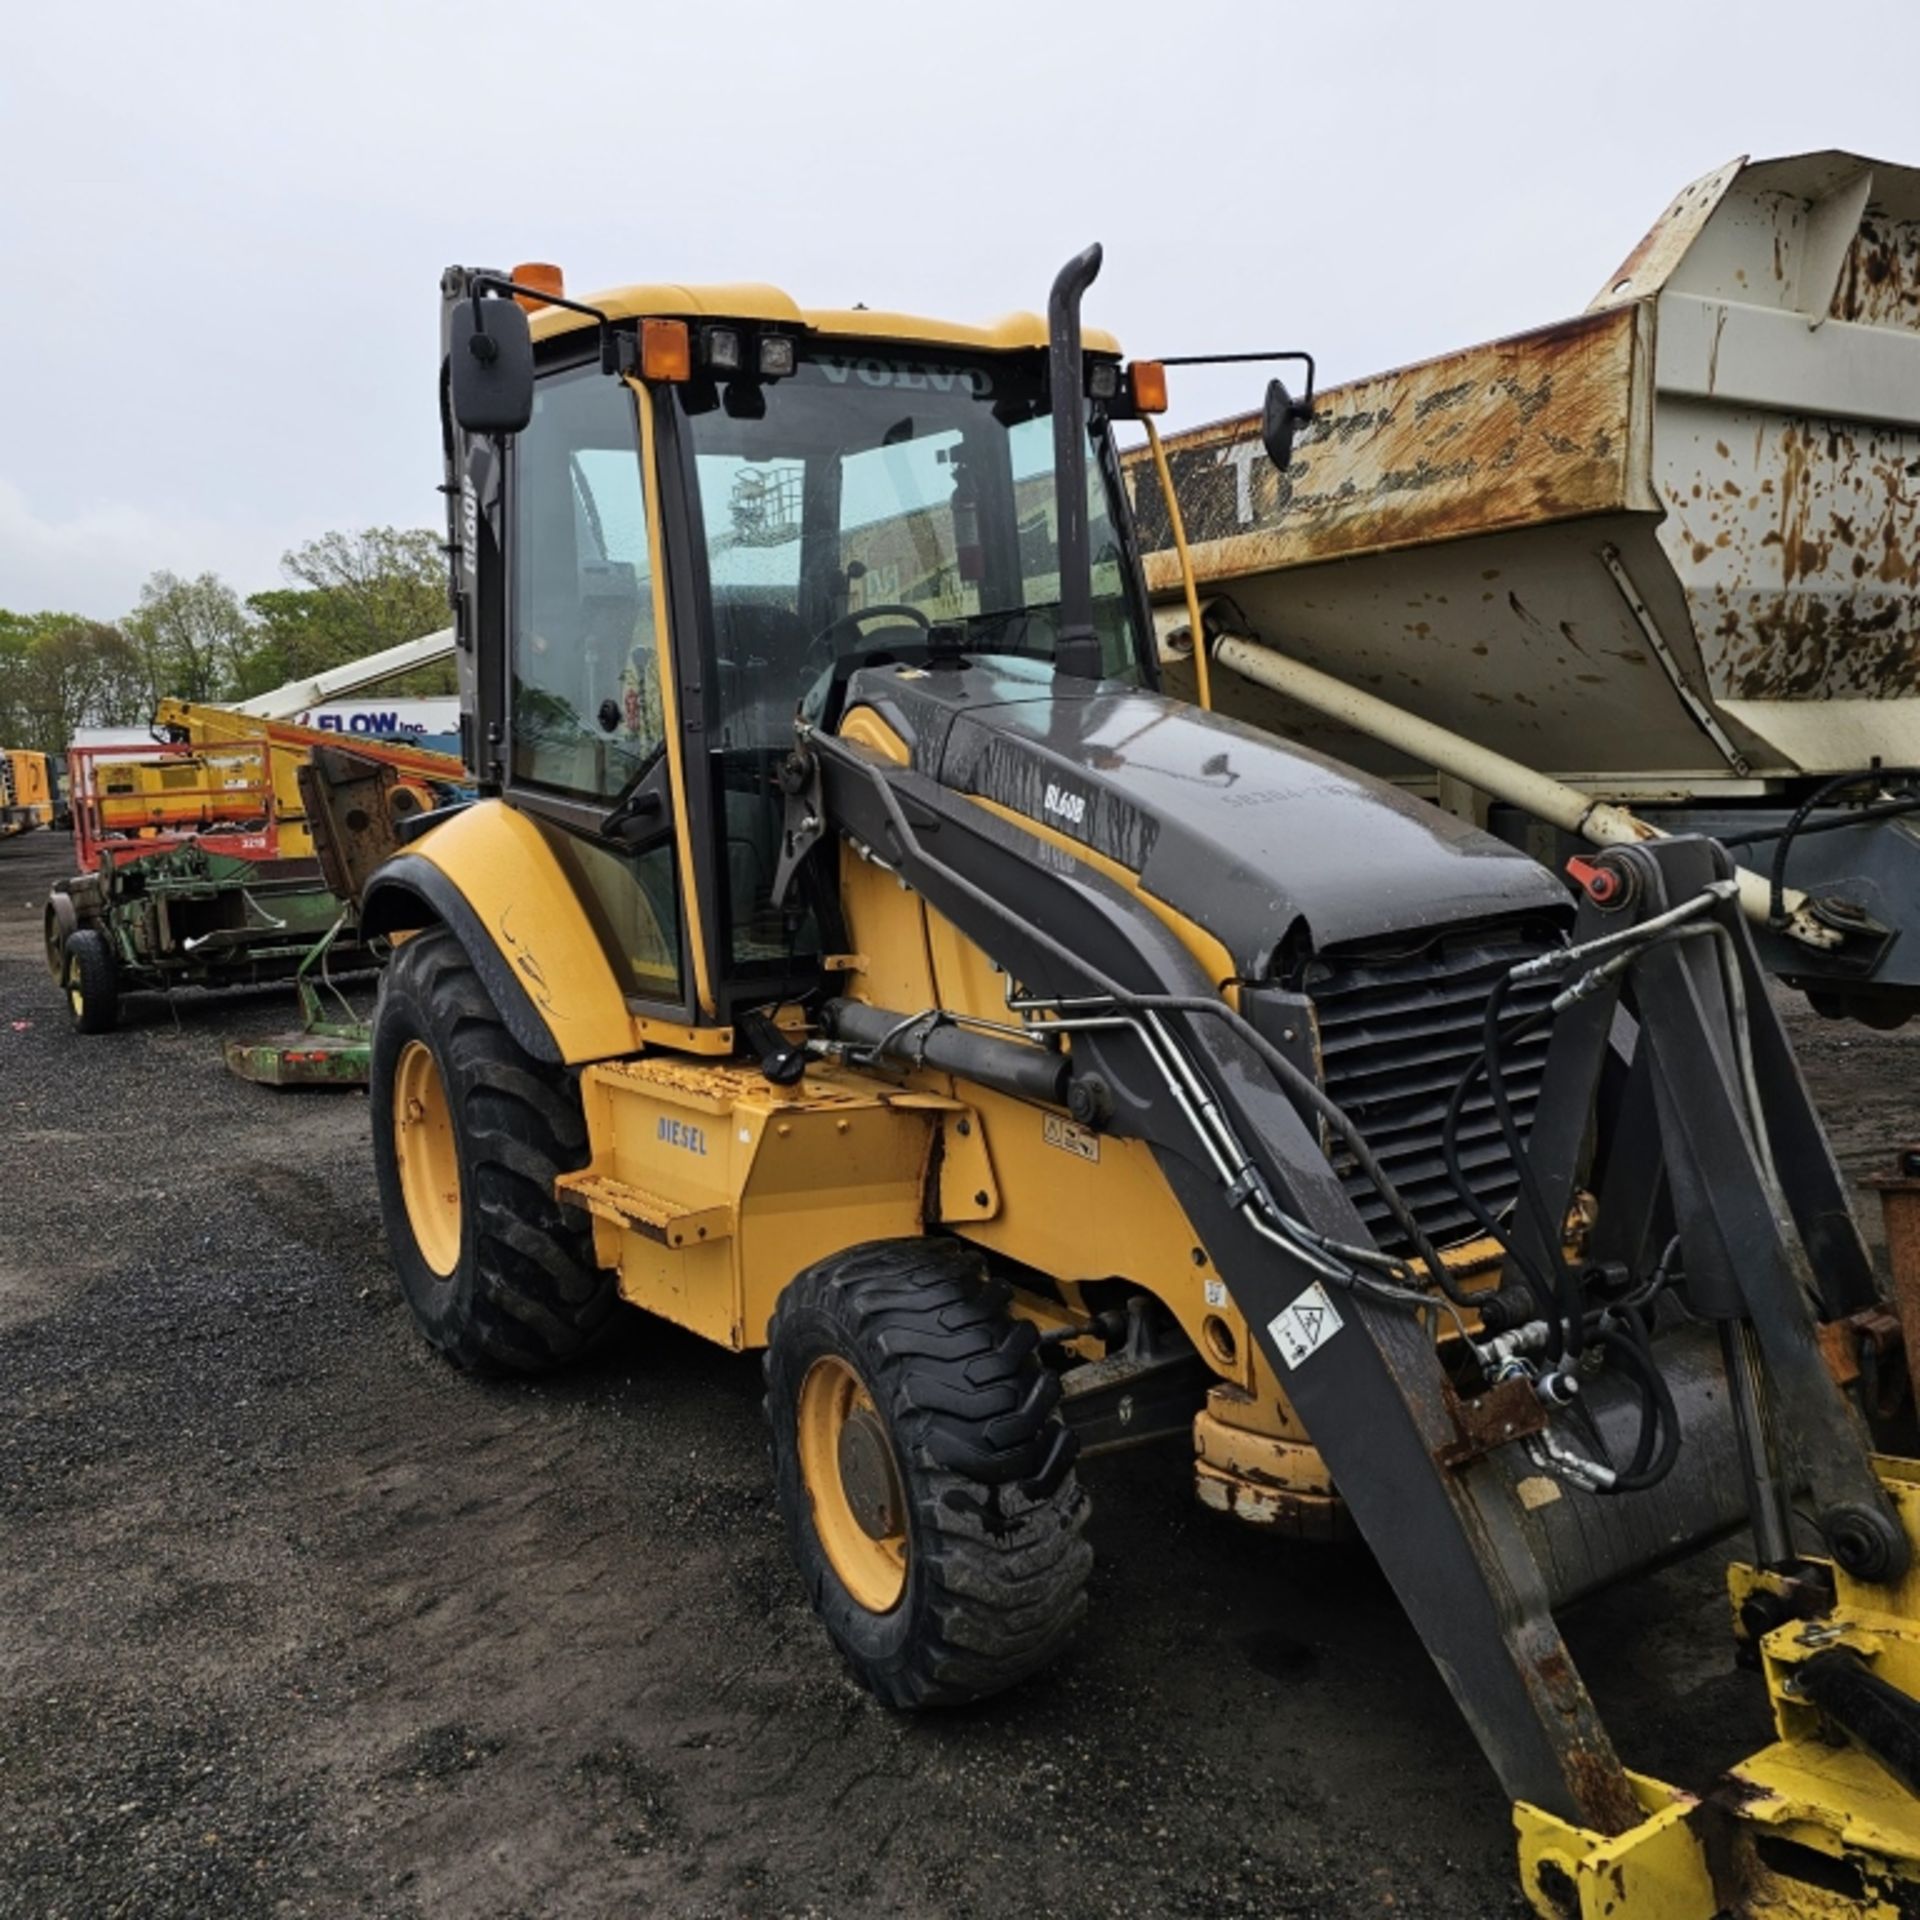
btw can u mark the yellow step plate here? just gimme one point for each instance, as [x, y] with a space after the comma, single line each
[652, 1214]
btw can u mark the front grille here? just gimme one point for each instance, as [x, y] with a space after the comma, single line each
[1396, 1032]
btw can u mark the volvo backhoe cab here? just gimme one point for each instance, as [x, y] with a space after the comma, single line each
[853, 957]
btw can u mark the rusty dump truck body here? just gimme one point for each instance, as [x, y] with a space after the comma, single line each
[1667, 551]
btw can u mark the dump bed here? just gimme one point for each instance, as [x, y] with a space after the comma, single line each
[1671, 544]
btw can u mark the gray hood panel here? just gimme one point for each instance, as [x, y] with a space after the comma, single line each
[1235, 828]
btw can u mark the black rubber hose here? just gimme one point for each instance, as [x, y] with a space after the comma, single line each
[1647, 1439]
[1859, 817]
[1536, 1283]
[1565, 1286]
[1297, 1082]
[1640, 1361]
[1777, 878]
[1316, 1096]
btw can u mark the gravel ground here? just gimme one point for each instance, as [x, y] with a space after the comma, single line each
[294, 1620]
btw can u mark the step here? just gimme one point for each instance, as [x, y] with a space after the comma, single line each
[672, 1222]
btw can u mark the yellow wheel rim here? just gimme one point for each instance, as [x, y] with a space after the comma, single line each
[853, 1482]
[429, 1163]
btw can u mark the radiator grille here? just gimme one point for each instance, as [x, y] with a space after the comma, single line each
[1396, 1032]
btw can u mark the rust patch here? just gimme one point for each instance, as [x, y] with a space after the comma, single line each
[1900, 1208]
[1661, 249]
[1527, 430]
[1508, 1411]
[1600, 1790]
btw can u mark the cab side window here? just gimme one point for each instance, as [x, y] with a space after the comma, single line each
[586, 715]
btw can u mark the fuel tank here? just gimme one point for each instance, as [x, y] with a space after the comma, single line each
[1256, 839]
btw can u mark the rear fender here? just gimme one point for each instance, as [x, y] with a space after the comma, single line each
[490, 878]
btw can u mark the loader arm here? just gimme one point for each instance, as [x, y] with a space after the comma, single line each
[1376, 1399]
[1479, 1544]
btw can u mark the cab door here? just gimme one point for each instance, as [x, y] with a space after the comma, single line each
[592, 746]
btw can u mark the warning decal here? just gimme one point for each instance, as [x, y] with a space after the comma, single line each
[1301, 1330]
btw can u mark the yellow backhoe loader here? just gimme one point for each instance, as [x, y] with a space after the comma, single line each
[853, 957]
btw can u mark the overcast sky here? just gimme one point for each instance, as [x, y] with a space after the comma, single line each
[222, 225]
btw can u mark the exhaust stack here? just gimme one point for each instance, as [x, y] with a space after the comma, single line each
[1077, 651]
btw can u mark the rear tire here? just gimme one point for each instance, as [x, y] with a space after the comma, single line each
[953, 1467]
[59, 926]
[469, 1131]
[92, 982]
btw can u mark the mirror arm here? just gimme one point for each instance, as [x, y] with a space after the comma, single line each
[1243, 359]
[1283, 415]
[617, 354]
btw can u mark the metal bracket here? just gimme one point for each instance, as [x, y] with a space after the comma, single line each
[1704, 715]
[805, 821]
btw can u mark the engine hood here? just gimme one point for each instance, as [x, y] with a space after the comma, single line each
[1238, 830]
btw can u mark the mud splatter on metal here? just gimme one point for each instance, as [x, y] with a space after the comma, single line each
[1528, 429]
[1737, 414]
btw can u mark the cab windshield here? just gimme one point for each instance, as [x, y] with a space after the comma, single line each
[882, 493]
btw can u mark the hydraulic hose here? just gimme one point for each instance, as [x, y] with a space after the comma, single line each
[1298, 1084]
[1564, 1287]
[1658, 1446]
[1777, 914]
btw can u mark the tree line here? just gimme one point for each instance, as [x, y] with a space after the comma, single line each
[348, 595]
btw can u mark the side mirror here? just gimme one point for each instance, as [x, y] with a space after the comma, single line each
[490, 366]
[1280, 418]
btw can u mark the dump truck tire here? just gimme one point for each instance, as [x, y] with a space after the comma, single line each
[923, 1473]
[469, 1132]
[93, 982]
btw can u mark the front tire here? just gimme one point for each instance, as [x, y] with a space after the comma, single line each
[923, 1473]
[469, 1132]
[92, 982]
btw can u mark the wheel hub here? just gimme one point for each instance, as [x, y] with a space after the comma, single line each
[853, 1484]
[427, 1156]
[868, 1475]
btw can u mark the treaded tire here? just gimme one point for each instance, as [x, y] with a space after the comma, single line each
[60, 923]
[92, 983]
[996, 1565]
[525, 1294]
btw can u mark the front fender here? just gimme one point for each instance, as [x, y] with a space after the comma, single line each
[489, 876]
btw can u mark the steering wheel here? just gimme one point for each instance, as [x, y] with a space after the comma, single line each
[830, 665]
[821, 646]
